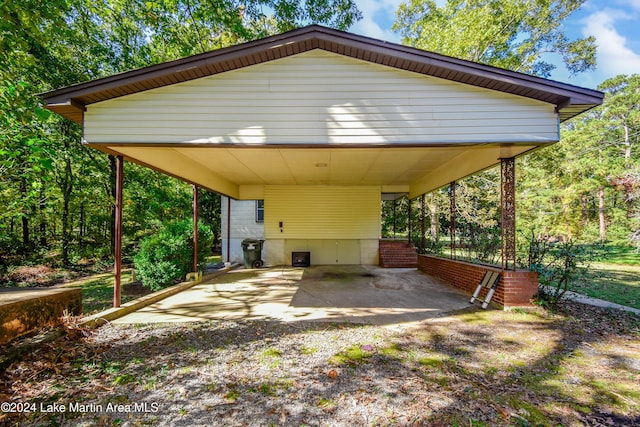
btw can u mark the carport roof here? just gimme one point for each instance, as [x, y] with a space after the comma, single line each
[569, 100]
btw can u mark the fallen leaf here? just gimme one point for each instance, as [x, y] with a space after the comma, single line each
[503, 412]
[333, 374]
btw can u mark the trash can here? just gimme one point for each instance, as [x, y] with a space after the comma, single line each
[252, 250]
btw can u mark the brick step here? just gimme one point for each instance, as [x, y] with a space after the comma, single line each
[397, 254]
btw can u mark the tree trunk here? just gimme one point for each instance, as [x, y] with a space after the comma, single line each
[65, 182]
[433, 213]
[25, 216]
[395, 205]
[601, 216]
[43, 224]
[585, 209]
[65, 230]
[627, 144]
[82, 225]
[67, 189]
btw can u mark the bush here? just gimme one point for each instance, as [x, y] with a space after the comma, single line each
[431, 247]
[167, 256]
[559, 266]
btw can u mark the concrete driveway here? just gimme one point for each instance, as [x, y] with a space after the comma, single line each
[357, 294]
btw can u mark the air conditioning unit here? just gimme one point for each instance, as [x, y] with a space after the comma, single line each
[301, 259]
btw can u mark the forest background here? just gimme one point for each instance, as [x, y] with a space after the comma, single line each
[57, 196]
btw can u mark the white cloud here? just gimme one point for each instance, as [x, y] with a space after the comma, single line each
[370, 26]
[614, 56]
[635, 4]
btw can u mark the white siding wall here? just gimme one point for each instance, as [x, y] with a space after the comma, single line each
[317, 98]
[243, 226]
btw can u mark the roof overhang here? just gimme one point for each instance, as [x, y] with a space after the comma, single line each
[569, 100]
[241, 171]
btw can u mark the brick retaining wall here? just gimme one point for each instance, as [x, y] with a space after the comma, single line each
[516, 288]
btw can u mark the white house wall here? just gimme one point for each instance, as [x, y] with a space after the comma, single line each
[319, 97]
[243, 226]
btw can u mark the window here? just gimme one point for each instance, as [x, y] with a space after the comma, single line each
[259, 210]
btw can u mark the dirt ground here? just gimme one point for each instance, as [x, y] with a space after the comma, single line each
[579, 367]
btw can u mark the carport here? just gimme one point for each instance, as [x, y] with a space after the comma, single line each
[320, 124]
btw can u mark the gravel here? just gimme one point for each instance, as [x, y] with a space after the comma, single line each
[475, 368]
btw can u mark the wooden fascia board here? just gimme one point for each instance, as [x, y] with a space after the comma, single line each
[553, 88]
[70, 105]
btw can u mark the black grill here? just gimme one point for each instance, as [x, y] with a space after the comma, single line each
[301, 259]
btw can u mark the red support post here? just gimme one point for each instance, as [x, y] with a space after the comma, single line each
[452, 213]
[422, 224]
[409, 219]
[228, 229]
[508, 212]
[117, 269]
[195, 228]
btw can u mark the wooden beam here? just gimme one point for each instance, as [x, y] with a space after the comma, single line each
[117, 269]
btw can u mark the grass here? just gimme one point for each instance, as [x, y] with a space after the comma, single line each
[614, 277]
[616, 283]
[97, 291]
[626, 255]
[352, 355]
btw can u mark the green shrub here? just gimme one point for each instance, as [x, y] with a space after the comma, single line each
[432, 247]
[167, 256]
[560, 265]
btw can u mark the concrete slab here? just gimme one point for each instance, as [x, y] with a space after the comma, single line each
[13, 295]
[357, 294]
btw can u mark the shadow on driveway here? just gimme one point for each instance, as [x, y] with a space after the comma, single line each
[355, 294]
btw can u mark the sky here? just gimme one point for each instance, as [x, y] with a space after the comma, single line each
[614, 23]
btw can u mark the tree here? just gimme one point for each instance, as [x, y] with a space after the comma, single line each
[586, 188]
[511, 34]
[49, 183]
